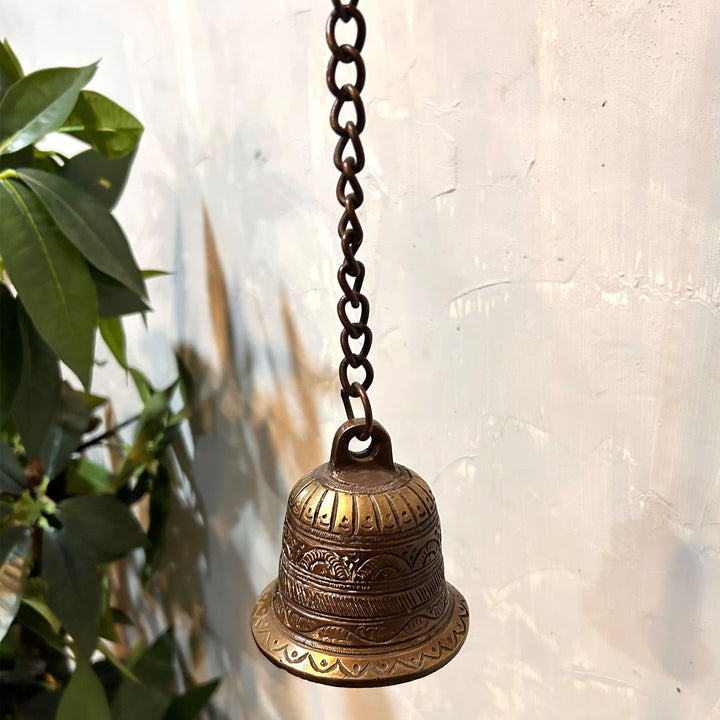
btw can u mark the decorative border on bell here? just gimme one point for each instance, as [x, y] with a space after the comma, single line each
[387, 667]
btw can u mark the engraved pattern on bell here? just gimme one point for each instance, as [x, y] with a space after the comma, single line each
[361, 596]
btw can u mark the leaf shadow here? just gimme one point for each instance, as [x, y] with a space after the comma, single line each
[241, 480]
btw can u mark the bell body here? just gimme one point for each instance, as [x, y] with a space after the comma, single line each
[361, 596]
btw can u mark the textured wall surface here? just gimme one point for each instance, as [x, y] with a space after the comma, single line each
[543, 259]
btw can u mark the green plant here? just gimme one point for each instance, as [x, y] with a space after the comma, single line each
[68, 485]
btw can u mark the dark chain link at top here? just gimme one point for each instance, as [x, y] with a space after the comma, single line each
[349, 228]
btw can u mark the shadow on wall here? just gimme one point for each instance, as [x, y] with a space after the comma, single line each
[245, 447]
[238, 476]
[646, 599]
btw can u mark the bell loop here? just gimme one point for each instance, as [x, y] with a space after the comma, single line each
[378, 454]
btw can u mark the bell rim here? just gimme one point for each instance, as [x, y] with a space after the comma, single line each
[390, 665]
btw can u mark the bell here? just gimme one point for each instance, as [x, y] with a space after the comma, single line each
[361, 597]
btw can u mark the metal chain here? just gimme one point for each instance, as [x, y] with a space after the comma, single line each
[349, 228]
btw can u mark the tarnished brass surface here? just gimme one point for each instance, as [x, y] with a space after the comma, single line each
[361, 596]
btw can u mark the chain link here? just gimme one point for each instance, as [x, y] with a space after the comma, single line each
[352, 272]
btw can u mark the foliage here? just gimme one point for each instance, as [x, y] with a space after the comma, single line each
[65, 515]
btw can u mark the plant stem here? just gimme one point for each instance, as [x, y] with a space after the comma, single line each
[107, 433]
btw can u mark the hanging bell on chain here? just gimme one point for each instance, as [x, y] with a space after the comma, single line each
[361, 597]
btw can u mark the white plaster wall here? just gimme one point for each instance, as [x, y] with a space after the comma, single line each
[543, 262]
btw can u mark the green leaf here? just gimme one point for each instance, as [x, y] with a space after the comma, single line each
[70, 423]
[102, 177]
[130, 494]
[150, 698]
[14, 554]
[30, 618]
[10, 69]
[74, 590]
[35, 595]
[113, 334]
[189, 705]
[38, 103]
[135, 700]
[12, 475]
[118, 664]
[185, 379]
[107, 623]
[51, 277]
[148, 274]
[182, 454]
[103, 124]
[114, 298]
[27, 509]
[144, 388]
[154, 666]
[10, 350]
[84, 697]
[160, 503]
[102, 525]
[88, 224]
[92, 402]
[38, 395]
[153, 419]
[84, 477]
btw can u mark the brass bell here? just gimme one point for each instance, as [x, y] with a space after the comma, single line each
[361, 597]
